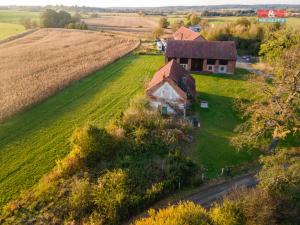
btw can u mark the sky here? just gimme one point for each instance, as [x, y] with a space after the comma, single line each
[142, 3]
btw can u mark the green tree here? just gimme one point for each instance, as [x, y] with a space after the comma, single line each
[275, 116]
[280, 177]
[276, 42]
[163, 22]
[111, 196]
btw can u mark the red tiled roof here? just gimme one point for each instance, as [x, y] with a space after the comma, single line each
[184, 33]
[202, 49]
[173, 73]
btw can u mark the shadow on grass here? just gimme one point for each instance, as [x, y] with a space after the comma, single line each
[213, 147]
[240, 74]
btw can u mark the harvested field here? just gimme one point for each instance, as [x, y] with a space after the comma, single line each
[39, 64]
[135, 25]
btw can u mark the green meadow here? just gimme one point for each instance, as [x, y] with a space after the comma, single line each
[32, 141]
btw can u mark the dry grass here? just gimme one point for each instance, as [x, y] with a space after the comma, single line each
[39, 64]
[138, 26]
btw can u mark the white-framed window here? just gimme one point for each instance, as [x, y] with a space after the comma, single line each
[185, 66]
[210, 67]
[222, 69]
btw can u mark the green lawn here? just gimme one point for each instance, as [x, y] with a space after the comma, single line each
[218, 122]
[32, 141]
[9, 29]
[14, 16]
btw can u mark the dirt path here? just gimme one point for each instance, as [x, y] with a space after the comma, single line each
[210, 193]
[207, 194]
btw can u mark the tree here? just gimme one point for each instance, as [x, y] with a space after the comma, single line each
[177, 24]
[157, 32]
[163, 22]
[276, 115]
[276, 42]
[280, 177]
[50, 18]
[193, 19]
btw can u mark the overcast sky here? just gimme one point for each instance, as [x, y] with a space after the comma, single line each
[142, 3]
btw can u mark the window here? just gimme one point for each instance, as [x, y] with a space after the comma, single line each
[210, 68]
[211, 61]
[184, 60]
[185, 66]
[223, 62]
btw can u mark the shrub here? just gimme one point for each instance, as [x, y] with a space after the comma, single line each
[227, 213]
[80, 197]
[93, 143]
[111, 196]
[186, 213]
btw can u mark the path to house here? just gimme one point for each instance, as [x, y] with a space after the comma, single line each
[248, 67]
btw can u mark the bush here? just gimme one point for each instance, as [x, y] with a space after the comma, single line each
[112, 195]
[93, 143]
[186, 213]
[157, 32]
[227, 213]
[80, 198]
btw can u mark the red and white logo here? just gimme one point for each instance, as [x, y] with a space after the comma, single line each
[269, 13]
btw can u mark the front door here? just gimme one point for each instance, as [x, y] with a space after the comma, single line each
[197, 64]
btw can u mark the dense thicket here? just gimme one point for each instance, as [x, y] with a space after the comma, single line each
[276, 200]
[247, 34]
[111, 173]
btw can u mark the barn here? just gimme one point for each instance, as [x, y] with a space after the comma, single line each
[171, 89]
[203, 56]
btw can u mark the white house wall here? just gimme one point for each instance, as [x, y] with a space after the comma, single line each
[166, 91]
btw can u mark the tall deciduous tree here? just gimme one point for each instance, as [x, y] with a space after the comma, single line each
[163, 22]
[275, 116]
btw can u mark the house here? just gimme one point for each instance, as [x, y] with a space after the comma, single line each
[161, 45]
[203, 56]
[186, 34]
[195, 28]
[171, 89]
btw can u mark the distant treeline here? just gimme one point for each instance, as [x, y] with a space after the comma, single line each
[160, 10]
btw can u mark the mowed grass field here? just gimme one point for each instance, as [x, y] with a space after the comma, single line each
[10, 22]
[32, 141]
[213, 149]
[9, 29]
[15, 16]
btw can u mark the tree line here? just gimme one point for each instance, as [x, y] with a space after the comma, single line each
[53, 19]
